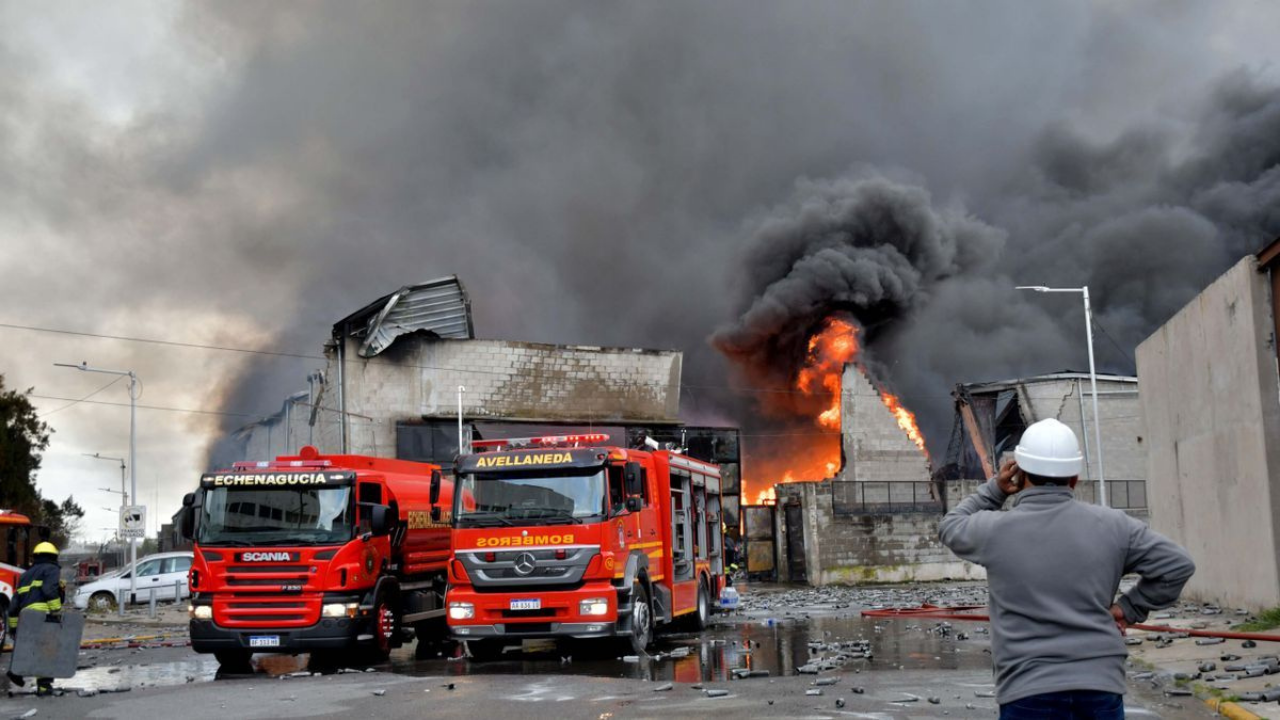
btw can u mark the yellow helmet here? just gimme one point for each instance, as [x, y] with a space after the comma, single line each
[45, 548]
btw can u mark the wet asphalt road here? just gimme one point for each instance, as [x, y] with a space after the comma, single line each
[915, 670]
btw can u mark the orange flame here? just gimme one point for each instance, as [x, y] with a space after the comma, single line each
[814, 457]
[906, 419]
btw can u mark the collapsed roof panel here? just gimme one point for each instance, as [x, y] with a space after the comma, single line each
[440, 307]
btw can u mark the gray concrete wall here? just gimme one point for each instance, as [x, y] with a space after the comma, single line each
[418, 377]
[868, 548]
[875, 448]
[1124, 452]
[1211, 399]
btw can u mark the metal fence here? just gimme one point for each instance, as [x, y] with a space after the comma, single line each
[872, 497]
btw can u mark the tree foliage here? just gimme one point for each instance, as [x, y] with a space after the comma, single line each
[22, 441]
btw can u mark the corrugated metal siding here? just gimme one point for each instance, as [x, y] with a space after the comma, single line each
[440, 306]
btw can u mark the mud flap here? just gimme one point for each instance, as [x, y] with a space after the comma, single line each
[47, 645]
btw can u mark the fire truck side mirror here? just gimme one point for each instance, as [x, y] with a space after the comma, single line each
[635, 504]
[634, 478]
[435, 486]
[379, 519]
[436, 514]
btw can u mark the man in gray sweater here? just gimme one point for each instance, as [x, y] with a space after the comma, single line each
[1054, 566]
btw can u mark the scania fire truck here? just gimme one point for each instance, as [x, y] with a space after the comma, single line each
[568, 537]
[318, 553]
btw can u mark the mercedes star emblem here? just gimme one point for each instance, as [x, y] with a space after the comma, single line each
[524, 563]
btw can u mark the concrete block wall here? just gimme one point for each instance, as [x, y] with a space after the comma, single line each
[1211, 397]
[419, 377]
[866, 549]
[875, 448]
[1124, 451]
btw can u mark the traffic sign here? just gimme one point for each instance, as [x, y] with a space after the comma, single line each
[133, 521]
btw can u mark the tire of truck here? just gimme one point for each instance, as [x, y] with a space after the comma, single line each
[386, 626]
[234, 661]
[641, 621]
[700, 618]
[485, 650]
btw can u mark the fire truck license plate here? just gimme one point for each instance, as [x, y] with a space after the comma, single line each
[264, 641]
[533, 604]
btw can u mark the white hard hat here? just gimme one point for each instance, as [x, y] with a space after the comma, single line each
[1050, 449]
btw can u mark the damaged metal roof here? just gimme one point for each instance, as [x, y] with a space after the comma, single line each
[440, 307]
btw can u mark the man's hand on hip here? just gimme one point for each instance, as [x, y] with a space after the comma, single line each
[1117, 614]
[1010, 479]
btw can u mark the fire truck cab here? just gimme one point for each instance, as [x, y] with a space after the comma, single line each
[568, 537]
[326, 554]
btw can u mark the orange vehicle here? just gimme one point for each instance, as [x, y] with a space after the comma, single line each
[317, 553]
[568, 537]
[18, 536]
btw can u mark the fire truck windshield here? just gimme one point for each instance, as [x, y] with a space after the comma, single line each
[292, 516]
[539, 497]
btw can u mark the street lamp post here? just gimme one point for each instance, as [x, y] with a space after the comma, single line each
[123, 491]
[133, 457]
[1093, 377]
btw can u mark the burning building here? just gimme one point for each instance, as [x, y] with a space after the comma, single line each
[407, 378]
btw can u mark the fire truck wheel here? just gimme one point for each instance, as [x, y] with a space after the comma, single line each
[702, 616]
[386, 626]
[234, 661]
[641, 620]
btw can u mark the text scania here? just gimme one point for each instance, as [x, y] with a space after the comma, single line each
[564, 539]
[279, 556]
[523, 459]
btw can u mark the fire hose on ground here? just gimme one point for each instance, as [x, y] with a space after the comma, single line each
[969, 613]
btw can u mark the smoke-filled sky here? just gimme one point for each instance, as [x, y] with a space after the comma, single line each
[650, 174]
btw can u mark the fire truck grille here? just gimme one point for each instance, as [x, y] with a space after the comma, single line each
[284, 611]
[267, 569]
[292, 580]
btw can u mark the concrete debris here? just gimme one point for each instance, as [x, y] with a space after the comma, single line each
[1178, 692]
[1268, 695]
[1208, 666]
[664, 687]
[1210, 641]
[935, 701]
[86, 693]
[813, 691]
[717, 693]
[859, 690]
[379, 692]
[1133, 641]
[1247, 644]
[984, 693]
[839, 702]
[30, 713]
[1228, 657]
[821, 682]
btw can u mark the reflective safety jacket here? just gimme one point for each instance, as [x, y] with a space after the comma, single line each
[38, 590]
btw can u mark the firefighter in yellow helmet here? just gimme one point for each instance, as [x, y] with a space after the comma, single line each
[40, 589]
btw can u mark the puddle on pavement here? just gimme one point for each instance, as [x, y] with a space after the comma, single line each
[780, 647]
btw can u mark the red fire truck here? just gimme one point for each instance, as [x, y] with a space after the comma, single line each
[18, 536]
[317, 553]
[567, 537]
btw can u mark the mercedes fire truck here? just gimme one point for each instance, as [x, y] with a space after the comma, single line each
[316, 553]
[568, 537]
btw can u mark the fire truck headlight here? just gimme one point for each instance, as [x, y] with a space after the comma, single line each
[593, 606]
[202, 612]
[461, 611]
[339, 610]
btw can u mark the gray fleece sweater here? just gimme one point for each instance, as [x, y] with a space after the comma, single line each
[1054, 566]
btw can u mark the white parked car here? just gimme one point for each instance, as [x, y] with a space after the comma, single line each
[165, 572]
